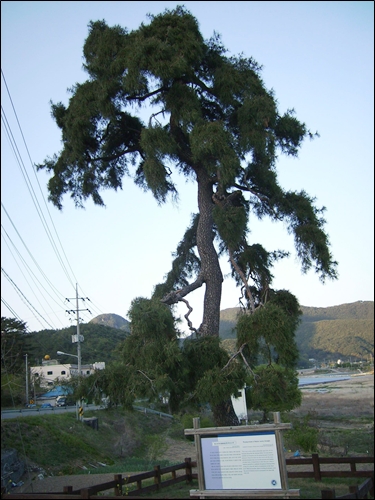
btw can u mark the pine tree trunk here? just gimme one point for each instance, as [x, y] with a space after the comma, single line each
[210, 267]
[224, 414]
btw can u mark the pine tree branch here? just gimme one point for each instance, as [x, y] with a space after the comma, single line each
[176, 295]
[151, 382]
[244, 280]
[239, 352]
[186, 316]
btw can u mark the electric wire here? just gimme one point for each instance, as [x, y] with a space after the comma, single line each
[97, 308]
[13, 312]
[32, 257]
[18, 157]
[40, 189]
[28, 303]
[31, 190]
[31, 274]
[35, 201]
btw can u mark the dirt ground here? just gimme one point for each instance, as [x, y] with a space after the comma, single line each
[351, 398]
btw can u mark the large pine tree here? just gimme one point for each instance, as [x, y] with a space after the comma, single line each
[211, 119]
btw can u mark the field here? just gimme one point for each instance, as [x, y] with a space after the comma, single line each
[342, 413]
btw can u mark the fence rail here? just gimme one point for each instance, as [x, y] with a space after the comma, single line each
[317, 473]
[120, 483]
[361, 491]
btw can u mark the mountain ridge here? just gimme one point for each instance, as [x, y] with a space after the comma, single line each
[345, 330]
[112, 320]
[336, 332]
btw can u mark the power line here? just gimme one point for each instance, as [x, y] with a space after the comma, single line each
[13, 312]
[31, 191]
[18, 157]
[31, 274]
[32, 257]
[26, 299]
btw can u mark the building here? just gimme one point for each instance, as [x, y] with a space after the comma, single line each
[51, 371]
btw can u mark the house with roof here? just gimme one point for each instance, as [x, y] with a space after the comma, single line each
[52, 372]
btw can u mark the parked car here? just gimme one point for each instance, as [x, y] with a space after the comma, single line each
[46, 405]
[63, 401]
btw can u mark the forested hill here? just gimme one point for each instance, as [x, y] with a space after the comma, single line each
[336, 332]
[355, 310]
[100, 343]
[342, 331]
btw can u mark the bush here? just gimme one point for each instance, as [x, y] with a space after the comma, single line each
[187, 423]
[302, 436]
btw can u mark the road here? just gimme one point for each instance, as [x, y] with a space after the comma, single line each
[25, 412]
[55, 410]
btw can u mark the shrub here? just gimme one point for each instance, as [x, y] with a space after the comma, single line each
[302, 435]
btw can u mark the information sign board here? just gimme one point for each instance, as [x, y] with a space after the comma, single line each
[241, 461]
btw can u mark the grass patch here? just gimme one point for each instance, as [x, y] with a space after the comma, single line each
[130, 441]
[350, 439]
[309, 488]
[61, 444]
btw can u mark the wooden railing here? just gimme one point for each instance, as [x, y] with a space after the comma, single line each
[120, 483]
[317, 473]
[361, 491]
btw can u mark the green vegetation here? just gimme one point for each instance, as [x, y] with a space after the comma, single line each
[309, 488]
[60, 444]
[334, 332]
[211, 120]
[128, 441]
[99, 345]
[302, 436]
[153, 365]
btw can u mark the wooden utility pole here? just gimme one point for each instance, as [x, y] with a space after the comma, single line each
[27, 381]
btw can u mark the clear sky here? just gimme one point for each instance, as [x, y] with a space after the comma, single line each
[319, 59]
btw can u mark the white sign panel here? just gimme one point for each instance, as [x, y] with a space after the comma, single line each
[241, 461]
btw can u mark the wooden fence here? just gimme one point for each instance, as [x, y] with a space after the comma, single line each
[120, 483]
[361, 491]
[318, 473]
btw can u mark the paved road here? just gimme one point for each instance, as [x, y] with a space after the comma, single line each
[58, 410]
[25, 412]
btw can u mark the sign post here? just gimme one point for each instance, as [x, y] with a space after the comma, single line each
[243, 461]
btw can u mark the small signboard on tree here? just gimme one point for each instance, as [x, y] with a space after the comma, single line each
[245, 461]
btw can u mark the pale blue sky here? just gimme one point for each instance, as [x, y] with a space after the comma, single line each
[317, 56]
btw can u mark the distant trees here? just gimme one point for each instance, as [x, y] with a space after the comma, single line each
[211, 120]
[13, 350]
[98, 344]
[13, 339]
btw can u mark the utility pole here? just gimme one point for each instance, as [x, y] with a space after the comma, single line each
[78, 335]
[27, 382]
[78, 338]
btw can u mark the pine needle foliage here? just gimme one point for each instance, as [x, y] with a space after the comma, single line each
[211, 120]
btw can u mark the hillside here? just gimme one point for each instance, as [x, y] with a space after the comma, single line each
[112, 320]
[337, 332]
[100, 342]
[342, 331]
[354, 310]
